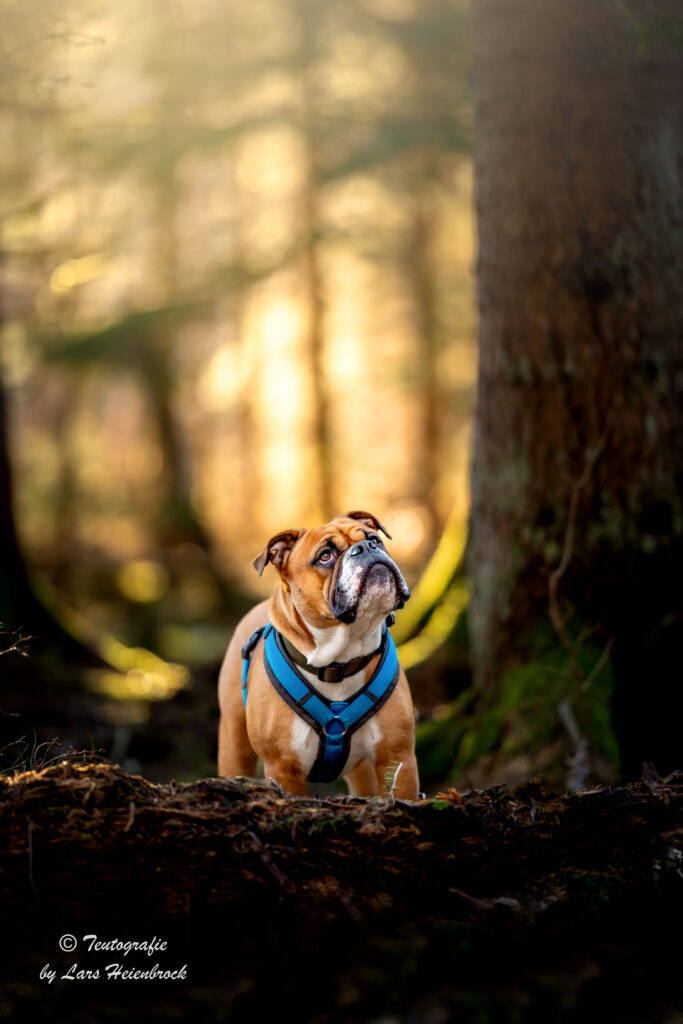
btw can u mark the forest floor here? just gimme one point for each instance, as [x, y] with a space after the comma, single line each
[488, 906]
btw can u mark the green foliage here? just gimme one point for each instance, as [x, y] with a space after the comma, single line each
[524, 716]
[332, 823]
[438, 740]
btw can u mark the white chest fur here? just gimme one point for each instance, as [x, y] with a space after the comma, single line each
[305, 740]
[345, 642]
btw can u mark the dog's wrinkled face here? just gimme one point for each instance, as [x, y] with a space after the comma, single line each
[338, 572]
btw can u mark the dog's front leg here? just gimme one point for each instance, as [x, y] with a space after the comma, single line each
[288, 776]
[362, 781]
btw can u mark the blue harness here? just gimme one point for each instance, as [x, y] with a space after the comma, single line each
[335, 721]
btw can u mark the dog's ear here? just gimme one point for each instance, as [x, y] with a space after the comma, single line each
[277, 550]
[372, 521]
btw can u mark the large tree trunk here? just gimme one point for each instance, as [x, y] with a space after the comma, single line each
[578, 464]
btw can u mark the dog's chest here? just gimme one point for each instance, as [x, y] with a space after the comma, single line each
[305, 740]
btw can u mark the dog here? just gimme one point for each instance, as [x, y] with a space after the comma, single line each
[310, 682]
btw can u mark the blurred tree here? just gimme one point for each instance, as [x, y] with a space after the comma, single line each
[143, 343]
[423, 279]
[16, 596]
[147, 341]
[27, 101]
[307, 15]
[22, 614]
[434, 115]
[577, 514]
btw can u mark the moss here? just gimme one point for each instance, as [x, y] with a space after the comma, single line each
[437, 740]
[596, 889]
[524, 716]
[327, 823]
[477, 741]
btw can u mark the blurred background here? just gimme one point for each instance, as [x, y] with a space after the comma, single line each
[236, 297]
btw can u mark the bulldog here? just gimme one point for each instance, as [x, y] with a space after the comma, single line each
[310, 682]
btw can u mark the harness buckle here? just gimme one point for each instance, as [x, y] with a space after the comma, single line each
[335, 727]
[333, 673]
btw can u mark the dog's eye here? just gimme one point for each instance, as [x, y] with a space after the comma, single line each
[326, 556]
[374, 542]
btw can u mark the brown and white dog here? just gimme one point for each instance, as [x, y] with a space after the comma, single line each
[337, 587]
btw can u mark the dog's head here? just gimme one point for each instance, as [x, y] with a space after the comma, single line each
[339, 572]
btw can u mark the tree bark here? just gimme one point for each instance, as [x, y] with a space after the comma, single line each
[578, 462]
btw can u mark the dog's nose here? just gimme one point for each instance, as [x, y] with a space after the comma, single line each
[369, 544]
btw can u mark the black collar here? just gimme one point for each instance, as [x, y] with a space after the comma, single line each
[336, 671]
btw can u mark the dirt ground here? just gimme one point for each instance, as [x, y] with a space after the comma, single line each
[487, 906]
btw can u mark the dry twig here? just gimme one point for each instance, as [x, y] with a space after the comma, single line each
[579, 761]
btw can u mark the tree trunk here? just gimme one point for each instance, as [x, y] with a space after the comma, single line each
[321, 430]
[422, 273]
[578, 464]
[22, 614]
[15, 592]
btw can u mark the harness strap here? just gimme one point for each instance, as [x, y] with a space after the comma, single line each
[247, 652]
[334, 721]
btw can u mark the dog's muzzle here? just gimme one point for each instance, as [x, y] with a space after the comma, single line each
[359, 566]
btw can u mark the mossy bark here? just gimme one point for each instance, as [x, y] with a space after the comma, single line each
[579, 164]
